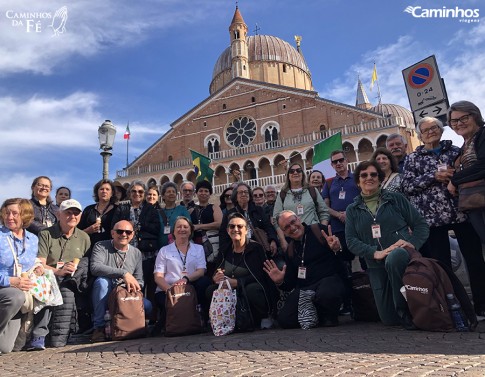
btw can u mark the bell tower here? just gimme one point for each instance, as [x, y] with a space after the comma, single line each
[238, 31]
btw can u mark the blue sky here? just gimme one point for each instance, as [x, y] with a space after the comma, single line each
[149, 62]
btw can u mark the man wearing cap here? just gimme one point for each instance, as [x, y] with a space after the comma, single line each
[114, 262]
[59, 246]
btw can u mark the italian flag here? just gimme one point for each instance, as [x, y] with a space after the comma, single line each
[127, 134]
[321, 154]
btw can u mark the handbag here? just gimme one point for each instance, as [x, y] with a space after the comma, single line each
[182, 317]
[244, 317]
[222, 312]
[471, 195]
[261, 237]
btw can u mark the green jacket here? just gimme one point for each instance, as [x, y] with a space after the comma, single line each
[397, 218]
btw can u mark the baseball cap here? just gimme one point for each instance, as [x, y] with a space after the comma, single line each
[70, 203]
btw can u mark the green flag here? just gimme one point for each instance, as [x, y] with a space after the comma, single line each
[201, 167]
[321, 154]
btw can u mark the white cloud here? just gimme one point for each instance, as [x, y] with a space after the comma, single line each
[461, 63]
[90, 27]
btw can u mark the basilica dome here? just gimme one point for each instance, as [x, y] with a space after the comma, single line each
[269, 59]
[396, 110]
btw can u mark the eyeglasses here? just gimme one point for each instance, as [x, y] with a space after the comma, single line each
[258, 195]
[139, 192]
[365, 175]
[233, 226]
[187, 190]
[339, 161]
[431, 129]
[243, 192]
[295, 171]
[227, 196]
[290, 224]
[462, 120]
[15, 215]
[40, 185]
[121, 231]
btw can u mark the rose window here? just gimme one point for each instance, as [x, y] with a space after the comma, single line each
[241, 132]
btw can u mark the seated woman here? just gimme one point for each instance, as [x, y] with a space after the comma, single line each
[379, 225]
[243, 261]
[181, 262]
[18, 250]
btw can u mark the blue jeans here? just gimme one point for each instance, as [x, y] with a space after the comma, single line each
[101, 289]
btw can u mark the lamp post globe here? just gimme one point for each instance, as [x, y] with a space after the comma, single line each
[106, 136]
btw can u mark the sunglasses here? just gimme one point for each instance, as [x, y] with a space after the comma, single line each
[121, 231]
[295, 171]
[339, 161]
[233, 226]
[258, 195]
[140, 192]
[365, 175]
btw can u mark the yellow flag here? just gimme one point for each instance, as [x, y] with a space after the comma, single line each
[374, 77]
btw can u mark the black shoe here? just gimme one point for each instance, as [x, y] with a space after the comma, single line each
[407, 323]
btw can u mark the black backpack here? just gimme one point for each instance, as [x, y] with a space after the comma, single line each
[363, 302]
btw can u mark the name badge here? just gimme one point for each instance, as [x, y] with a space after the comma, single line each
[341, 195]
[301, 272]
[442, 167]
[376, 231]
[299, 209]
[59, 265]
[184, 273]
[166, 229]
[20, 270]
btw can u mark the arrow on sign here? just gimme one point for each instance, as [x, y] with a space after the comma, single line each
[436, 110]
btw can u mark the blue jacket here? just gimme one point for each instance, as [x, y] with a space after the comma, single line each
[397, 218]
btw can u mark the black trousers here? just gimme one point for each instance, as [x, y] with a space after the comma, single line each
[328, 296]
[438, 247]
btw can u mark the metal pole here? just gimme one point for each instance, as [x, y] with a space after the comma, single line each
[106, 155]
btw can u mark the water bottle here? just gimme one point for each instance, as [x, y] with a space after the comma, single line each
[199, 310]
[107, 325]
[456, 314]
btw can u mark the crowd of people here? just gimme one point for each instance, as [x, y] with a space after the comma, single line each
[289, 249]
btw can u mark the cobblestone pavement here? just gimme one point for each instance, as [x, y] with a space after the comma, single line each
[351, 349]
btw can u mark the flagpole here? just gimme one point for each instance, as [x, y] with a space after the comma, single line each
[378, 88]
[127, 141]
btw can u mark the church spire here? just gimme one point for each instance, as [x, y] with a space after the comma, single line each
[238, 31]
[362, 101]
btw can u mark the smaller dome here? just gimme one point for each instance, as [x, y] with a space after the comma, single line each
[396, 110]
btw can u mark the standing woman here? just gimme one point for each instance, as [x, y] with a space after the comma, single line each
[226, 200]
[317, 180]
[62, 193]
[466, 120]
[18, 250]
[153, 197]
[181, 262]
[96, 219]
[45, 211]
[388, 164]
[378, 227]
[298, 198]
[207, 219]
[170, 212]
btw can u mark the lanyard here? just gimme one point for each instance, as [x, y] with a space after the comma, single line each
[199, 211]
[236, 266]
[169, 218]
[374, 217]
[184, 260]
[303, 243]
[63, 247]
[16, 246]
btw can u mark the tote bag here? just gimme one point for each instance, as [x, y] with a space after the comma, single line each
[222, 311]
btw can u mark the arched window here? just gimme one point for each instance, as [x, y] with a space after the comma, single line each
[270, 131]
[213, 146]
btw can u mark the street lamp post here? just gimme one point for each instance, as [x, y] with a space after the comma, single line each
[106, 135]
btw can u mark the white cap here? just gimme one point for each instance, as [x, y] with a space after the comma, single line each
[70, 203]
